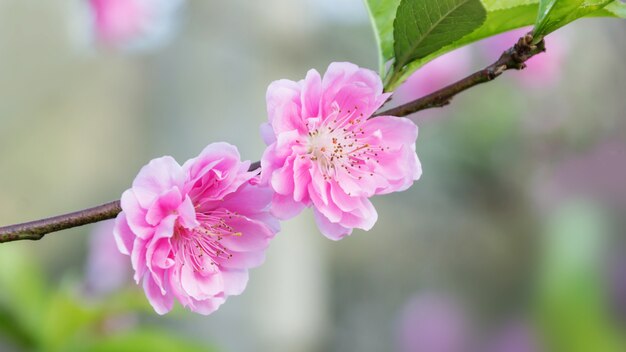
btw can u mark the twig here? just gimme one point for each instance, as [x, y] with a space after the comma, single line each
[513, 58]
[35, 230]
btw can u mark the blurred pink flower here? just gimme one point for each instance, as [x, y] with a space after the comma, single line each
[193, 231]
[514, 336]
[596, 174]
[543, 69]
[433, 323]
[107, 269]
[436, 322]
[324, 151]
[133, 23]
[436, 74]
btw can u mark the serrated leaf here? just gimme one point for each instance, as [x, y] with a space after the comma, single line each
[425, 26]
[554, 14]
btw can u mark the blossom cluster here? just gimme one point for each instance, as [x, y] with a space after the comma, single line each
[193, 231]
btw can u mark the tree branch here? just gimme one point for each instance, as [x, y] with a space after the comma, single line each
[513, 58]
[35, 230]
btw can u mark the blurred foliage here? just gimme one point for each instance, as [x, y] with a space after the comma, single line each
[36, 317]
[571, 299]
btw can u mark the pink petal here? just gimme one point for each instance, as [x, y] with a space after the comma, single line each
[206, 306]
[138, 258]
[341, 199]
[135, 215]
[351, 86]
[284, 207]
[160, 248]
[394, 132]
[254, 235]
[283, 105]
[163, 206]
[302, 178]
[249, 199]
[187, 214]
[124, 237]
[160, 175]
[162, 303]
[311, 94]
[244, 260]
[235, 281]
[199, 286]
[364, 217]
[267, 133]
[327, 207]
[282, 179]
[331, 230]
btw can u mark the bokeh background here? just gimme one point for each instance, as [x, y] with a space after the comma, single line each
[512, 241]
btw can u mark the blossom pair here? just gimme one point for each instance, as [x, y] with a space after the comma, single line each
[193, 231]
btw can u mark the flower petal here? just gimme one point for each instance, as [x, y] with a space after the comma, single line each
[235, 281]
[331, 230]
[251, 235]
[162, 303]
[160, 175]
[124, 236]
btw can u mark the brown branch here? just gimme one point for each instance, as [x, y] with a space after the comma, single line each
[514, 58]
[35, 230]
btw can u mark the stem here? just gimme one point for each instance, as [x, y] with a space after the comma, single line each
[513, 58]
[35, 230]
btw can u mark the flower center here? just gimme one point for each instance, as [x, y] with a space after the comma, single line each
[337, 142]
[202, 245]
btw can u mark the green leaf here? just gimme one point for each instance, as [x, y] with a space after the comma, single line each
[424, 26]
[382, 14]
[554, 14]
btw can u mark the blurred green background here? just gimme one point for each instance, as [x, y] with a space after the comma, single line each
[518, 217]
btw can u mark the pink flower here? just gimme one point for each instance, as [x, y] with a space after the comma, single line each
[325, 152]
[133, 23]
[193, 231]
